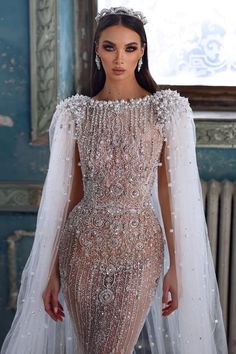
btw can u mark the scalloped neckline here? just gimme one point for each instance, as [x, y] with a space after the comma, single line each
[121, 101]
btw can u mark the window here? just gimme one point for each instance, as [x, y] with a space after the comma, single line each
[192, 47]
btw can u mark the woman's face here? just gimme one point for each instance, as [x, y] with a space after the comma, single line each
[119, 49]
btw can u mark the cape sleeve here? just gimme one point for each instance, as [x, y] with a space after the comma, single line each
[32, 330]
[197, 325]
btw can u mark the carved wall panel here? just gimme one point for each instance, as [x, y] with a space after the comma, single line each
[215, 133]
[13, 272]
[43, 47]
[20, 197]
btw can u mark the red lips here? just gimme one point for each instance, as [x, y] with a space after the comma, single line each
[118, 71]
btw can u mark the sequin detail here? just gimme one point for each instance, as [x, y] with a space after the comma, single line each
[111, 248]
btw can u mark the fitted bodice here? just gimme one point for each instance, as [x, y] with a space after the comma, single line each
[119, 152]
[119, 144]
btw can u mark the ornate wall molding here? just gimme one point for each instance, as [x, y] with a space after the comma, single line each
[43, 54]
[216, 133]
[20, 197]
[12, 264]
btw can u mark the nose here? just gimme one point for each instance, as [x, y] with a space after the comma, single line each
[119, 56]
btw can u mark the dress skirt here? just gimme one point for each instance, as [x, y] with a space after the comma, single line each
[110, 262]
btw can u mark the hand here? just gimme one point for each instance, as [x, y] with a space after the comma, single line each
[170, 285]
[50, 298]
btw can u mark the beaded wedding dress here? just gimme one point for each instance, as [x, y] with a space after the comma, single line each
[112, 246]
[111, 252]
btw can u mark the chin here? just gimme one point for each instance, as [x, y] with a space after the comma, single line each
[117, 77]
[120, 77]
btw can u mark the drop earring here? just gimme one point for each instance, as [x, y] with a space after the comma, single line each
[140, 63]
[98, 62]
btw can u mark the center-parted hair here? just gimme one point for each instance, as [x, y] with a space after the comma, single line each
[143, 77]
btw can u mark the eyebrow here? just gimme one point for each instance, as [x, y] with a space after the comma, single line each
[131, 43]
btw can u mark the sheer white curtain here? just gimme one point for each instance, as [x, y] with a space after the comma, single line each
[190, 42]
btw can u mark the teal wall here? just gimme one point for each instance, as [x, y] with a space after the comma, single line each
[66, 48]
[217, 163]
[20, 160]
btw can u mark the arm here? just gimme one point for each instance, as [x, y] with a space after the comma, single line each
[50, 295]
[163, 192]
[77, 191]
[76, 195]
[170, 279]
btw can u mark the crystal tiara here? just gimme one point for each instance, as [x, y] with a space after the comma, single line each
[121, 11]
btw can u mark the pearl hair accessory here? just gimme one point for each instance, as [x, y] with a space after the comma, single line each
[121, 11]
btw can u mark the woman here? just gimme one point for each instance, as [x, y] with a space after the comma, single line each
[121, 224]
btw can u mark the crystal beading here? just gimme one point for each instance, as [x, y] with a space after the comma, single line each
[111, 247]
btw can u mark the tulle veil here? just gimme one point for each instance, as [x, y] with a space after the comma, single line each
[197, 326]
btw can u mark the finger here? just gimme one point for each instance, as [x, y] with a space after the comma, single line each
[54, 297]
[169, 309]
[49, 307]
[166, 308]
[50, 312]
[59, 318]
[47, 304]
[167, 305]
[52, 315]
[60, 313]
[57, 307]
[52, 306]
[167, 313]
[174, 299]
[60, 306]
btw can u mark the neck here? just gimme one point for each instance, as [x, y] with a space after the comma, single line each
[124, 89]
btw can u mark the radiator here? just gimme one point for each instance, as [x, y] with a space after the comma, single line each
[220, 209]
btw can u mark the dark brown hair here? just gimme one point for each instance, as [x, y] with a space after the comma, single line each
[143, 77]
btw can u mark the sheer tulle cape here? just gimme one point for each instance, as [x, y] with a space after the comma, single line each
[197, 325]
[32, 330]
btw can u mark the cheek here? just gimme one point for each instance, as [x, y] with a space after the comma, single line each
[107, 57]
[132, 59]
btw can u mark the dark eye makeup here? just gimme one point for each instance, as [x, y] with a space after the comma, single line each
[131, 48]
[110, 48]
